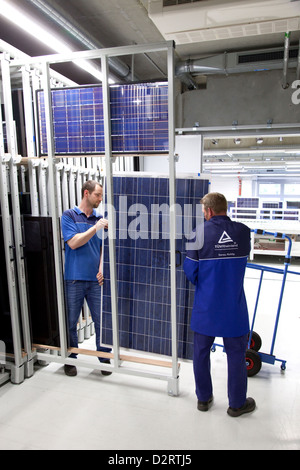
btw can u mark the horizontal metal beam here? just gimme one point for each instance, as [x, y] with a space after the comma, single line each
[94, 54]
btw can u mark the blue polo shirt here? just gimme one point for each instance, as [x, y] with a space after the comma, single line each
[218, 270]
[81, 264]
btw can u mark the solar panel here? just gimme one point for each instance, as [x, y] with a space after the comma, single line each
[139, 119]
[143, 264]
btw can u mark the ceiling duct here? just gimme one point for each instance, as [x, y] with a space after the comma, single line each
[216, 20]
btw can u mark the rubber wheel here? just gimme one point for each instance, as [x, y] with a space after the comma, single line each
[253, 362]
[255, 341]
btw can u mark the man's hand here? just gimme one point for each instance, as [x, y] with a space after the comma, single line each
[102, 223]
[100, 278]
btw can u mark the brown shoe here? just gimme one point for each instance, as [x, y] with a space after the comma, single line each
[246, 408]
[106, 372]
[205, 405]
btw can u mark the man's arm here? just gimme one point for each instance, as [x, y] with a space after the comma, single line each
[191, 262]
[99, 276]
[81, 239]
[190, 267]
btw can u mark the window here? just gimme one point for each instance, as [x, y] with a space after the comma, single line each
[292, 189]
[269, 189]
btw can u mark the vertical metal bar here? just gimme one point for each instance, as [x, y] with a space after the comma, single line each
[286, 265]
[42, 182]
[255, 308]
[201, 153]
[65, 188]
[72, 183]
[110, 209]
[34, 199]
[30, 139]
[54, 211]
[286, 59]
[18, 236]
[8, 247]
[28, 113]
[172, 200]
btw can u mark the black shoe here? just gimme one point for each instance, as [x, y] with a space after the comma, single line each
[71, 371]
[205, 405]
[246, 408]
[106, 372]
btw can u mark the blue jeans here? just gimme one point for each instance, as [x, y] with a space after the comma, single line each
[76, 292]
[237, 370]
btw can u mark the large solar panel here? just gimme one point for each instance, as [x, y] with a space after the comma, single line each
[139, 119]
[143, 264]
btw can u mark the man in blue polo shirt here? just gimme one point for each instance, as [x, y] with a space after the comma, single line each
[217, 269]
[83, 263]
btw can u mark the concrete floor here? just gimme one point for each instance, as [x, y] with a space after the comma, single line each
[90, 411]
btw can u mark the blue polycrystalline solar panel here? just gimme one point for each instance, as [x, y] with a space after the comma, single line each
[143, 264]
[139, 119]
[248, 202]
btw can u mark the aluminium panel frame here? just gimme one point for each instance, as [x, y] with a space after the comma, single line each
[44, 63]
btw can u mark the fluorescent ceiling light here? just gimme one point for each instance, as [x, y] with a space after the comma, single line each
[46, 37]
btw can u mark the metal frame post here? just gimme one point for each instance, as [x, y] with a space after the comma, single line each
[54, 210]
[17, 226]
[110, 206]
[173, 383]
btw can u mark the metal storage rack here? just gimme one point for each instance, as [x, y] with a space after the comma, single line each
[49, 194]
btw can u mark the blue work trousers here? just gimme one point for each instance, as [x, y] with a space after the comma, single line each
[235, 349]
[76, 292]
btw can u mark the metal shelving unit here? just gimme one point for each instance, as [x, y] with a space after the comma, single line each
[53, 186]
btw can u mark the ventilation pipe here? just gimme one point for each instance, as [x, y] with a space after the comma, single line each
[208, 65]
[234, 62]
[286, 60]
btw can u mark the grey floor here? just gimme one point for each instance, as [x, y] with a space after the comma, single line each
[90, 411]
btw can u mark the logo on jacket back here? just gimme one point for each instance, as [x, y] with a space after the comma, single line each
[225, 238]
[226, 247]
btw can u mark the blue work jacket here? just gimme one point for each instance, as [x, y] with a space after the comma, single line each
[217, 270]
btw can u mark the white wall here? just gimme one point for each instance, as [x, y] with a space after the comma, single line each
[229, 186]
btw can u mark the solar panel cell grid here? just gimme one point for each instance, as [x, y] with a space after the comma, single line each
[143, 268]
[139, 119]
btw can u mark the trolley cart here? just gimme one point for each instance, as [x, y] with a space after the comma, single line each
[254, 357]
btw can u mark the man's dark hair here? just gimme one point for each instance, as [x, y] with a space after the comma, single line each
[215, 201]
[90, 185]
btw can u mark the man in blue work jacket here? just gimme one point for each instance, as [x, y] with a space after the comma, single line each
[83, 263]
[217, 269]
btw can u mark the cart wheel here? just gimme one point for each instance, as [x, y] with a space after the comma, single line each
[255, 341]
[253, 362]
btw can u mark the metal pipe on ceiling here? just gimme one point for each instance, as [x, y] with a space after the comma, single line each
[286, 59]
[229, 63]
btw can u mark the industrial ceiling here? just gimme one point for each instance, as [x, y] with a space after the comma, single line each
[203, 30]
